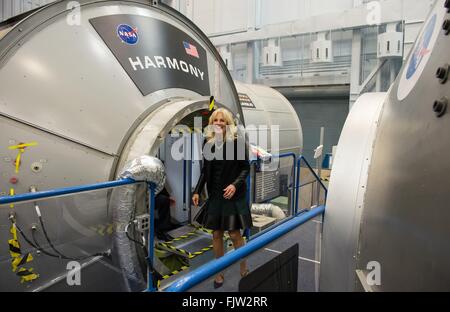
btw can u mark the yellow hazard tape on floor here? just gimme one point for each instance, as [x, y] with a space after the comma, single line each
[169, 246]
[183, 252]
[204, 230]
[188, 235]
[182, 237]
[202, 251]
[183, 268]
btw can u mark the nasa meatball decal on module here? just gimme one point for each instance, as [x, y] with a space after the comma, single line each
[155, 54]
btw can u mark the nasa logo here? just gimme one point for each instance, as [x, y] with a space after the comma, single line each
[422, 48]
[421, 52]
[127, 34]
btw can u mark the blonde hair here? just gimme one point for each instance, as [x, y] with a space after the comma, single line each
[231, 131]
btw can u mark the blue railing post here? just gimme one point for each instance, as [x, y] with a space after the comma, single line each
[297, 184]
[299, 165]
[151, 233]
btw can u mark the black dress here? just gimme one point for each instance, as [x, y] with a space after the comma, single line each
[226, 214]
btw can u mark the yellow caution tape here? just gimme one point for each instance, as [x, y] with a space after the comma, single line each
[183, 268]
[18, 161]
[14, 248]
[21, 146]
[27, 275]
[212, 104]
[204, 230]
[169, 246]
[14, 231]
[202, 251]
[18, 261]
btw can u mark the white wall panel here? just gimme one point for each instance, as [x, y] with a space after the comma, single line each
[10, 8]
[218, 17]
[204, 14]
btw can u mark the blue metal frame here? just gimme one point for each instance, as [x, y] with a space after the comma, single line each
[257, 241]
[63, 191]
[151, 237]
[94, 187]
[297, 184]
[193, 278]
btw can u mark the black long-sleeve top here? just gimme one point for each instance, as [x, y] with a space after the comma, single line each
[234, 170]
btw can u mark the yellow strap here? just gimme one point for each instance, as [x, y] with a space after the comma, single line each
[18, 160]
[21, 146]
[212, 105]
[27, 275]
[14, 231]
[15, 244]
[16, 262]
[29, 278]
[11, 193]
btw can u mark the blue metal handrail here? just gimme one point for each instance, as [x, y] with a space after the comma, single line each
[297, 184]
[93, 187]
[63, 191]
[197, 276]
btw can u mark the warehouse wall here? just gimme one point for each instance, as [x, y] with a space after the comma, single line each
[10, 8]
[217, 17]
[314, 113]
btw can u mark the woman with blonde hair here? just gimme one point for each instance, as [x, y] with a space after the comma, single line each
[225, 176]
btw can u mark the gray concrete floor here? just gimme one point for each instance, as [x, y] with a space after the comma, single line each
[308, 238]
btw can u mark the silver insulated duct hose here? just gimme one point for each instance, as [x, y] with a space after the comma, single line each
[144, 168]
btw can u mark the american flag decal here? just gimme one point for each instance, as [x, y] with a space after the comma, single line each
[190, 49]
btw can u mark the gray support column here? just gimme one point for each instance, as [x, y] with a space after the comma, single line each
[355, 67]
[378, 83]
[250, 62]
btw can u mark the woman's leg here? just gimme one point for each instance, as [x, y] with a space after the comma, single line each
[218, 250]
[238, 241]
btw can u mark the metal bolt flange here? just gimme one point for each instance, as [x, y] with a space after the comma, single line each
[442, 73]
[446, 27]
[440, 107]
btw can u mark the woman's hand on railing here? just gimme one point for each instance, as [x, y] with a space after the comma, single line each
[195, 199]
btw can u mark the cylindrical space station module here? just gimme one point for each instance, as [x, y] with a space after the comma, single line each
[85, 88]
[387, 219]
